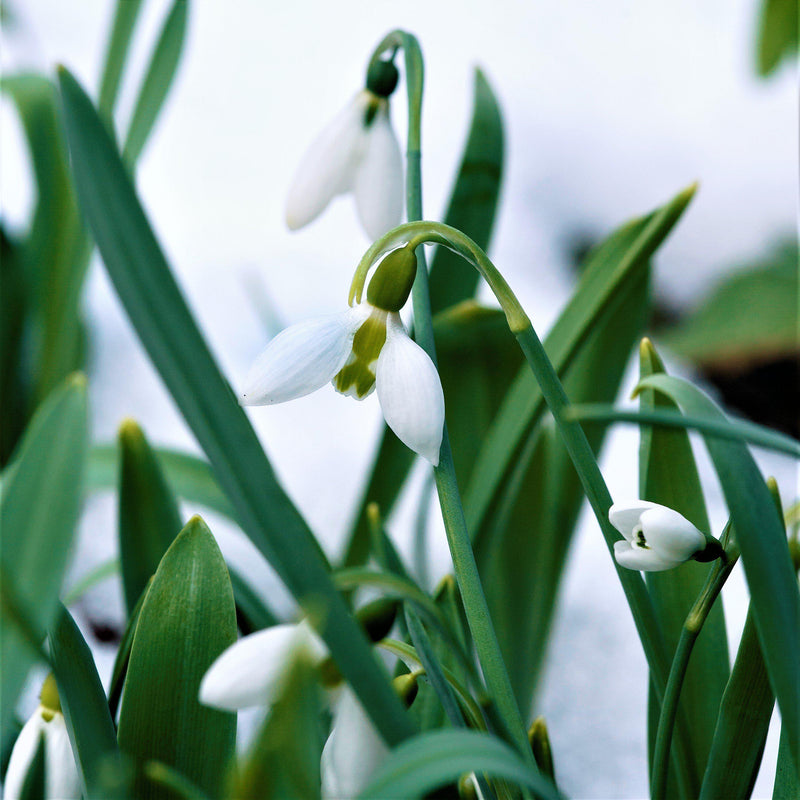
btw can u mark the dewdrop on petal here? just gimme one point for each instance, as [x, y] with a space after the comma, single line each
[359, 153]
[359, 350]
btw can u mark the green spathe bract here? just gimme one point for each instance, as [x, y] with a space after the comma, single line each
[188, 618]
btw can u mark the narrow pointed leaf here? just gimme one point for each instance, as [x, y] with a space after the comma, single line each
[38, 513]
[91, 729]
[149, 519]
[668, 475]
[775, 600]
[187, 619]
[168, 332]
[125, 16]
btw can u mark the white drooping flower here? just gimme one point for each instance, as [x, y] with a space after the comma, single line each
[61, 774]
[359, 153]
[250, 671]
[656, 537]
[353, 751]
[363, 348]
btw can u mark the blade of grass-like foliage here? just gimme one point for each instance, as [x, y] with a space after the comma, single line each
[742, 723]
[775, 600]
[38, 513]
[125, 17]
[186, 620]
[149, 519]
[284, 759]
[787, 781]
[523, 544]
[57, 249]
[473, 203]
[91, 729]
[611, 265]
[157, 81]
[154, 303]
[436, 758]
[777, 35]
[191, 478]
[737, 430]
[668, 475]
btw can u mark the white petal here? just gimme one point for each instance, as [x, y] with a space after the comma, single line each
[61, 773]
[641, 559]
[329, 165]
[671, 534]
[354, 750]
[249, 672]
[625, 516]
[378, 184]
[410, 392]
[302, 358]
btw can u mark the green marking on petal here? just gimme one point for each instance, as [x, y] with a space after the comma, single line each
[357, 377]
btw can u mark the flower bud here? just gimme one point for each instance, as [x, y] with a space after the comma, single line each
[377, 617]
[391, 284]
[540, 746]
[406, 687]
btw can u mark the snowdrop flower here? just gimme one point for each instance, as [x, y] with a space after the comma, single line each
[359, 153]
[363, 348]
[61, 774]
[656, 537]
[250, 671]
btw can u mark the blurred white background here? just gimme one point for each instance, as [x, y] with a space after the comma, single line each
[610, 108]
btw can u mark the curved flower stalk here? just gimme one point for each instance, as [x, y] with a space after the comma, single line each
[656, 537]
[358, 350]
[61, 774]
[359, 153]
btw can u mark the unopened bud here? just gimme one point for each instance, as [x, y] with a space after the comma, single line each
[391, 284]
[467, 788]
[540, 746]
[406, 686]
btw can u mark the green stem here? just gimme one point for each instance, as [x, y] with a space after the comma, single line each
[458, 539]
[669, 706]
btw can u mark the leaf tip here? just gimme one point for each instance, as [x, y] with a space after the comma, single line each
[129, 431]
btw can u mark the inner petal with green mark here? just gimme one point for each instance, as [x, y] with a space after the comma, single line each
[638, 538]
[357, 377]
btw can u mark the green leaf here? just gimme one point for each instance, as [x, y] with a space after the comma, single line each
[149, 519]
[473, 202]
[720, 336]
[125, 17]
[191, 478]
[668, 475]
[156, 84]
[121, 661]
[57, 248]
[284, 759]
[436, 758]
[38, 513]
[522, 546]
[91, 729]
[764, 550]
[170, 335]
[742, 724]
[777, 35]
[187, 619]
[33, 787]
[787, 781]
[620, 259]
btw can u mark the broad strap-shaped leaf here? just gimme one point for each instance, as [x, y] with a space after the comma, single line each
[38, 513]
[91, 729]
[436, 758]
[187, 619]
[619, 259]
[775, 600]
[149, 519]
[170, 335]
[157, 81]
[668, 475]
[473, 203]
